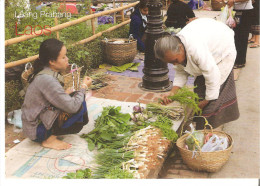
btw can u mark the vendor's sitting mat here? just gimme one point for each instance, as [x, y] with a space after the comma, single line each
[30, 160]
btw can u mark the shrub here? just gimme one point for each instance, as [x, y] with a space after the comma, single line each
[13, 100]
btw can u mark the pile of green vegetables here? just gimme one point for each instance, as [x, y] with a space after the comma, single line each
[112, 132]
[107, 127]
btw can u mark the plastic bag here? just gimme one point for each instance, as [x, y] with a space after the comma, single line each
[190, 141]
[15, 118]
[215, 143]
[230, 21]
[224, 15]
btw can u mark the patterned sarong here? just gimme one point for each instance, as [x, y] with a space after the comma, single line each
[219, 111]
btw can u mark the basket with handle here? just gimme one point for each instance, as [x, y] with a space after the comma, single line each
[119, 51]
[25, 74]
[205, 161]
[72, 77]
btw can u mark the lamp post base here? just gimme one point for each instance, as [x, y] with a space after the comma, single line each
[162, 89]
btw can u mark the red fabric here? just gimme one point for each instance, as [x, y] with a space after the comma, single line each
[70, 7]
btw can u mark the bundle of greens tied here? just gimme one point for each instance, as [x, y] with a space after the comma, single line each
[188, 98]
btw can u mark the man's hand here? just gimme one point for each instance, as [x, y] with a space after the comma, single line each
[203, 103]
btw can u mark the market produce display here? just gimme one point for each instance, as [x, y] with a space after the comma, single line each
[131, 144]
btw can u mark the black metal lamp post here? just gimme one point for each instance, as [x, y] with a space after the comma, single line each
[155, 71]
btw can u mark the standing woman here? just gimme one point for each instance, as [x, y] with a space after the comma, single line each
[255, 28]
[205, 49]
[48, 110]
[243, 10]
[138, 24]
[178, 14]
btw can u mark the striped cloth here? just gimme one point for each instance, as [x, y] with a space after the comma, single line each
[219, 111]
[255, 29]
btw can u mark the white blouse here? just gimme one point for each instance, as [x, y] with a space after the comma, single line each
[243, 5]
[210, 51]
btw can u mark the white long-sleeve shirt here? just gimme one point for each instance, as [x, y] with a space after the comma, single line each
[208, 44]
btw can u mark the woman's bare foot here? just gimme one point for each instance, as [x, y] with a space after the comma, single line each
[53, 143]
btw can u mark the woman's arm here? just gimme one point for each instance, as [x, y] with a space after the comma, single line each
[209, 69]
[135, 25]
[230, 3]
[55, 94]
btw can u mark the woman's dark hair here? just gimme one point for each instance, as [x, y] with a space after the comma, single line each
[49, 50]
[142, 4]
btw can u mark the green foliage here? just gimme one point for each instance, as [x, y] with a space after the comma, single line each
[13, 100]
[187, 97]
[79, 174]
[118, 173]
[107, 127]
[111, 160]
[165, 124]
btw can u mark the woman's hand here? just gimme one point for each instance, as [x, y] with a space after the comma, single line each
[69, 90]
[230, 3]
[87, 80]
[203, 103]
[165, 100]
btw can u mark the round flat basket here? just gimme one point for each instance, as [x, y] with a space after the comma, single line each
[119, 51]
[217, 5]
[205, 161]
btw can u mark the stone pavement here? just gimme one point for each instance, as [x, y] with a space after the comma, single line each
[126, 89]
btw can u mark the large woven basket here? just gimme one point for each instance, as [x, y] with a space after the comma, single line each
[205, 161]
[119, 53]
[217, 4]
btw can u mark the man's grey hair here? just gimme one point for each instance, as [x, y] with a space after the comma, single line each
[165, 44]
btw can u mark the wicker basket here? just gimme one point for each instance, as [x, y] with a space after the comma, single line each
[25, 74]
[217, 4]
[71, 76]
[119, 53]
[205, 161]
